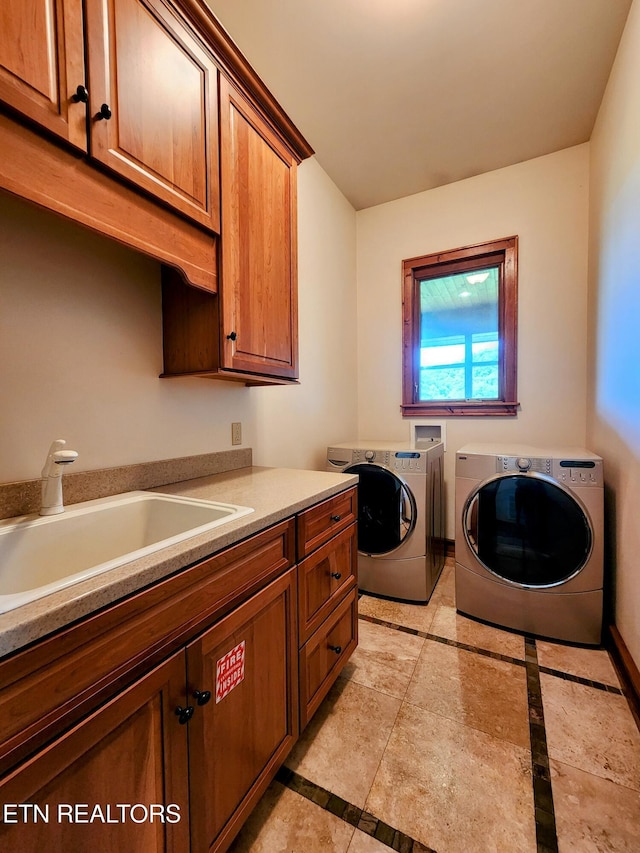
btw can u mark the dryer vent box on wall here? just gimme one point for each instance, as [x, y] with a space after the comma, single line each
[424, 435]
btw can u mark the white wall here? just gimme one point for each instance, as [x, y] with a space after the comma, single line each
[543, 201]
[614, 283]
[81, 349]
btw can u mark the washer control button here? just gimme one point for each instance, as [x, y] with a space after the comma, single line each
[523, 464]
[370, 455]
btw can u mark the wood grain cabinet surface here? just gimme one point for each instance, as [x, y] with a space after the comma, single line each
[188, 694]
[42, 64]
[140, 95]
[145, 105]
[153, 104]
[327, 596]
[131, 752]
[244, 732]
[259, 242]
[248, 331]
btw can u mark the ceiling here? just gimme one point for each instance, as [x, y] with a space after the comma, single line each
[400, 96]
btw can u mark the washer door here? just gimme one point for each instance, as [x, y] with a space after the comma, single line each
[527, 529]
[386, 509]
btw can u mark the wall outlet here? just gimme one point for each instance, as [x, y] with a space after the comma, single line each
[236, 433]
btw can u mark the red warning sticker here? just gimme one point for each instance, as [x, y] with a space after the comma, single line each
[229, 671]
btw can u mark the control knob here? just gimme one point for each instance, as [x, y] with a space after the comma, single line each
[523, 464]
[370, 455]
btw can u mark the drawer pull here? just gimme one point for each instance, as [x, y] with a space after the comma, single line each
[336, 517]
[336, 575]
[184, 714]
[202, 696]
[336, 649]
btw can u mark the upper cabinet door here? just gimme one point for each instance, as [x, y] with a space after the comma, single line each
[42, 64]
[153, 104]
[259, 258]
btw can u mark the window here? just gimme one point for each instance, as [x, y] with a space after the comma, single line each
[460, 330]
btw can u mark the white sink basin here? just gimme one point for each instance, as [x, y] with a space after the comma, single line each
[40, 555]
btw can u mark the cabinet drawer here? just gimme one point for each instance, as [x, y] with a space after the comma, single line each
[317, 525]
[62, 678]
[324, 655]
[323, 578]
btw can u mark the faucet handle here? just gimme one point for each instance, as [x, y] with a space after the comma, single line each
[64, 456]
[57, 455]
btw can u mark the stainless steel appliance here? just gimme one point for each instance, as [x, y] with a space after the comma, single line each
[400, 515]
[529, 539]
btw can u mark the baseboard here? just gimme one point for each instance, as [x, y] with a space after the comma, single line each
[627, 670]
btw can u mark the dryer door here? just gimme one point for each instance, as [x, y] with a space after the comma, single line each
[527, 529]
[386, 509]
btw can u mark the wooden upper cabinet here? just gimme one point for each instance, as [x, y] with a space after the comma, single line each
[42, 64]
[259, 242]
[158, 85]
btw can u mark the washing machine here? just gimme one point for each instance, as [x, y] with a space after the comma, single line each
[529, 539]
[400, 515]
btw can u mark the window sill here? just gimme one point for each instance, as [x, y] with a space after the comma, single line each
[462, 408]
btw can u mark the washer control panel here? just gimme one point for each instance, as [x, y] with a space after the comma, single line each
[571, 472]
[579, 472]
[505, 464]
[396, 460]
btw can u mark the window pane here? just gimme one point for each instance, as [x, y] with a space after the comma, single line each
[484, 350]
[442, 383]
[458, 330]
[485, 382]
[442, 353]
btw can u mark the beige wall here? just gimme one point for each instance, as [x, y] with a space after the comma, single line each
[81, 349]
[543, 201]
[614, 292]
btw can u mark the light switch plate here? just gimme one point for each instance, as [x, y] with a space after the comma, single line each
[236, 433]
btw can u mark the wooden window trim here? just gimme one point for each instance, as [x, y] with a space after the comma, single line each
[441, 263]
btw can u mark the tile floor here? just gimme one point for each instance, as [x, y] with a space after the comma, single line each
[444, 734]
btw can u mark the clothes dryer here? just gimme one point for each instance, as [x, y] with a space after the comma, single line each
[529, 539]
[400, 515]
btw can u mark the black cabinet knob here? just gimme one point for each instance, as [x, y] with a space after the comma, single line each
[105, 113]
[184, 714]
[336, 575]
[81, 95]
[336, 517]
[202, 696]
[232, 336]
[336, 649]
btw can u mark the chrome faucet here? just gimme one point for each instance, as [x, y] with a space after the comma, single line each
[57, 458]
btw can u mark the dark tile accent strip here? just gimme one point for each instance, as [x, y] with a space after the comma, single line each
[546, 835]
[567, 676]
[444, 640]
[577, 679]
[362, 820]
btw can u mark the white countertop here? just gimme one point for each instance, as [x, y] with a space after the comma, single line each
[273, 493]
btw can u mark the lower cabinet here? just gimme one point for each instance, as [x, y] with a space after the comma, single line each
[324, 655]
[200, 686]
[177, 760]
[327, 596]
[117, 781]
[248, 666]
